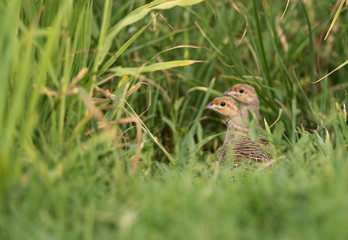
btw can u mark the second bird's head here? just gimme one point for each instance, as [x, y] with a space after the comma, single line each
[225, 106]
[244, 93]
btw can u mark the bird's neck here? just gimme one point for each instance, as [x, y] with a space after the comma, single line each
[235, 125]
[253, 108]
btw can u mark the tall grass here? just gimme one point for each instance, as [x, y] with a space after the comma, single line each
[103, 133]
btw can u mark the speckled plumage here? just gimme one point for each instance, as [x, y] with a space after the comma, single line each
[237, 146]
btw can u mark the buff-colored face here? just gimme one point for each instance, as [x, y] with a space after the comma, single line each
[225, 106]
[243, 93]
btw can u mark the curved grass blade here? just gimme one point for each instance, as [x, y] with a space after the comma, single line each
[137, 15]
[171, 159]
[121, 71]
[334, 19]
[124, 47]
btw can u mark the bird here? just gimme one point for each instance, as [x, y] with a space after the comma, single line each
[237, 145]
[248, 99]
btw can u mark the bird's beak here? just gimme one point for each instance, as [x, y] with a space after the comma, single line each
[227, 92]
[208, 106]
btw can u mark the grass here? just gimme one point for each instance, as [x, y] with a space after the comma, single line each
[103, 133]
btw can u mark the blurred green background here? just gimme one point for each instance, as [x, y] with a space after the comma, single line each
[103, 133]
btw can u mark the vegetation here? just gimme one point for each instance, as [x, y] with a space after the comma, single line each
[103, 133]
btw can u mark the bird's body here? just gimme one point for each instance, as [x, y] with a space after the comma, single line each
[238, 145]
[248, 99]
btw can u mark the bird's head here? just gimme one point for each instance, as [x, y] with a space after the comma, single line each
[225, 106]
[243, 93]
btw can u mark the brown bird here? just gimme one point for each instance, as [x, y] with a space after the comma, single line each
[248, 99]
[237, 145]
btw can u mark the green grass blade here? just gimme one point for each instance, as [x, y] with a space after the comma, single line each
[120, 71]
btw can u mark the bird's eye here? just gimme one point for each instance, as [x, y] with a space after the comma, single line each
[222, 104]
[241, 90]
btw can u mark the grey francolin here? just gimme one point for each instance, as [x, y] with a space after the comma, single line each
[237, 146]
